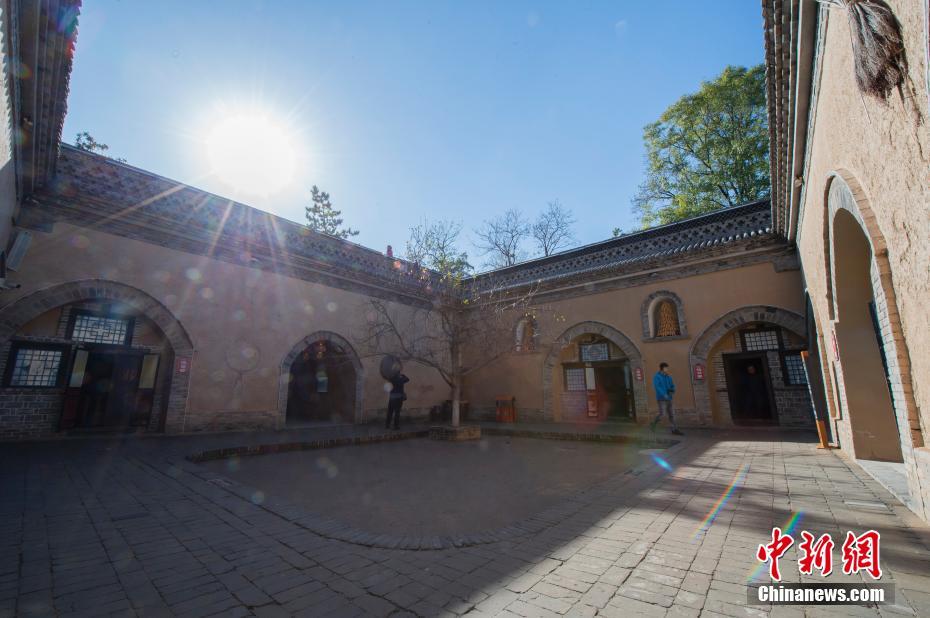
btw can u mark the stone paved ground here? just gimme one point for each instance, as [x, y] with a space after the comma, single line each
[127, 527]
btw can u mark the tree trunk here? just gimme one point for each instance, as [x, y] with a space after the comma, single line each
[456, 384]
[456, 399]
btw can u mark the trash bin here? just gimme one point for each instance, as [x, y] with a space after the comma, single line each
[506, 409]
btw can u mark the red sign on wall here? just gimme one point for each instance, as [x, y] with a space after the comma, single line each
[699, 372]
[182, 364]
[638, 373]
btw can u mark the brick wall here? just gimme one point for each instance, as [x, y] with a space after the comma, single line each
[29, 412]
[574, 406]
[793, 403]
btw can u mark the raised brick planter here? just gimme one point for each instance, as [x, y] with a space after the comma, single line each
[455, 434]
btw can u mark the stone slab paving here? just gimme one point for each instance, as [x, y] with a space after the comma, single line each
[130, 527]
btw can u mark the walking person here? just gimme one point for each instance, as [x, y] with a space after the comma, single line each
[396, 400]
[665, 390]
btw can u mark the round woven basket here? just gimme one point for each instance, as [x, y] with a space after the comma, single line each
[390, 367]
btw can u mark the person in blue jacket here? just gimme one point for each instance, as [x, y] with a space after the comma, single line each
[665, 390]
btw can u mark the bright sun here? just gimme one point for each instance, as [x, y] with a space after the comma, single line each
[251, 152]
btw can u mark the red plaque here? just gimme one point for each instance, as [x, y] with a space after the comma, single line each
[182, 364]
[638, 373]
[699, 372]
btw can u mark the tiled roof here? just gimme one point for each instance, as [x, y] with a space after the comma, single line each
[41, 37]
[791, 40]
[713, 230]
[98, 192]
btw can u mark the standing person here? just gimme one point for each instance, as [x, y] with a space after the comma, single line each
[396, 400]
[665, 390]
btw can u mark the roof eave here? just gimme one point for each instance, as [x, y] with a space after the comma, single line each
[790, 41]
[41, 37]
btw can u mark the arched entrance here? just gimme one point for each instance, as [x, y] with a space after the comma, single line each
[589, 376]
[120, 358]
[857, 259]
[753, 368]
[863, 357]
[321, 381]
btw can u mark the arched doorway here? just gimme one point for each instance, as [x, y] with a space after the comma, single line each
[95, 355]
[754, 372]
[590, 376]
[856, 257]
[322, 378]
[862, 354]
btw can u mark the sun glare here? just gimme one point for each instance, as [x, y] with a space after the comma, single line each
[251, 152]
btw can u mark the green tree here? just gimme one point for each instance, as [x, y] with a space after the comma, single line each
[709, 150]
[434, 244]
[323, 218]
[85, 141]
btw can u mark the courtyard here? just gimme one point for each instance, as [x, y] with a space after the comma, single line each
[430, 488]
[130, 526]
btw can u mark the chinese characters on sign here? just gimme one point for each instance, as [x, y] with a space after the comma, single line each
[860, 553]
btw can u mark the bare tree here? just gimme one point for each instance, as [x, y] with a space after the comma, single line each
[502, 238]
[463, 323]
[552, 230]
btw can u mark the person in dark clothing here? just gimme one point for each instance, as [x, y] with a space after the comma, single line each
[396, 400]
[754, 394]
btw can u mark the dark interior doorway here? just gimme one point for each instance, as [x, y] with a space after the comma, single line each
[750, 389]
[322, 386]
[109, 393]
[615, 392]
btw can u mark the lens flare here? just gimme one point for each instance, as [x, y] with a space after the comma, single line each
[787, 528]
[661, 462]
[251, 152]
[722, 500]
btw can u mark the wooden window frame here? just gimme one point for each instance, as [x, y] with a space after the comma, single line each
[655, 317]
[777, 331]
[784, 368]
[28, 345]
[130, 325]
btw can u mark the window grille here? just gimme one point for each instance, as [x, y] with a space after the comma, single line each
[96, 329]
[593, 352]
[794, 370]
[525, 335]
[758, 340]
[574, 379]
[36, 367]
[666, 320]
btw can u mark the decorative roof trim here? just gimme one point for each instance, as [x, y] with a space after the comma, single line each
[635, 252]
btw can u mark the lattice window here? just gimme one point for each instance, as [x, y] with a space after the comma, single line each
[666, 319]
[594, 352]
[794, 370]
[96, 329]
[758, 340]
[574, 379]
[525, 335]
[36, 367]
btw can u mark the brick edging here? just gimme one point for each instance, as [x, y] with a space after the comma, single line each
[305, 445]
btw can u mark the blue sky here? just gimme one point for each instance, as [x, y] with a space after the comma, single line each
[408, 110]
